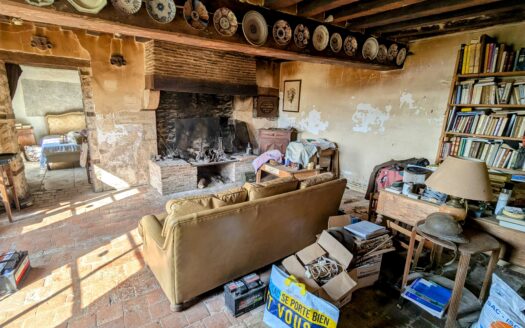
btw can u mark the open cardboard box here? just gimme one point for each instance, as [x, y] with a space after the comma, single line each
[368, 273]
[337, 290]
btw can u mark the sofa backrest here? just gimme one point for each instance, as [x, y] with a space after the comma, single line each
[216, 246]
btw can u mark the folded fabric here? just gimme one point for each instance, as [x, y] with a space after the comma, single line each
[300, 152]
[265, 157]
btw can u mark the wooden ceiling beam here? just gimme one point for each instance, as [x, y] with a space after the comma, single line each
[368, 8]
[424, 9]
[280, 4]
[311, 8]
[468, 24]
[495, 8]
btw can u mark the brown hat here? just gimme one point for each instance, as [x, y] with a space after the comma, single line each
[443, 226]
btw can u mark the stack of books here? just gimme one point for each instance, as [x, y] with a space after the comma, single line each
[486, 55]
[429, 296]
[369, 238]
[497, 182]
[502, 123]
[364, 230]
[511, 223]
[494, 153]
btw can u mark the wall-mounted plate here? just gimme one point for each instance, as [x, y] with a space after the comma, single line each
[225, 22]
[350, 45]
[88, 6]
[255, 28]
[370, 48]
[321, 38]
[336, 42]
[301, 36]
[195, 14]
[282, 32]
[392, 52]
[401, 56]
[162, 11]
[382, 54]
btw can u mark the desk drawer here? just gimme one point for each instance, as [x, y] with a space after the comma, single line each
[404, 209]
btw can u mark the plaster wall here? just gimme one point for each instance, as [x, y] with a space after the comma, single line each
[378, 116]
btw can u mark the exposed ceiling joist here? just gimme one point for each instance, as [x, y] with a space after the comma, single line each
[367, 8]
[280, 4]
[424, 9]
[468, 24]
[477, 11]
[311, 8]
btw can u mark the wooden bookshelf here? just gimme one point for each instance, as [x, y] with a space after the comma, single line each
[482, 136]
[495, 74]
[446, 135]
[504, 106]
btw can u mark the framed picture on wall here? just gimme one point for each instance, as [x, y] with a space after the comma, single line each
[292, 95]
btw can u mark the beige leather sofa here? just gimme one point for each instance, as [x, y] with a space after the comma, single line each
[227, 237]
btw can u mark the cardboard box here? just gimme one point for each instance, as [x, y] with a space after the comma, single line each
[338, 289]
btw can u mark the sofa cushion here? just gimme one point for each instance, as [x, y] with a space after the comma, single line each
[205, 200]
[233, 196]
[270, 188]
[316, 179]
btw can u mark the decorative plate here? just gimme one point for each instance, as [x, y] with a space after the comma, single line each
[128, 7]
[225, 22]
[282, 32]
[88, 6]
[40, 3]
[370, 48]
[350, 45]
[195, 14]
[336, 42]
[392, 52]
[401, 56]
[255, 28]
[162, 11]
[301, 36]
[321, 38]
[382, 54]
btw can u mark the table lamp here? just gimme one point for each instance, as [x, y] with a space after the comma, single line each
[461, 178]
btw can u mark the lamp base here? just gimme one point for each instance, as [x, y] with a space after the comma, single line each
[454, 208]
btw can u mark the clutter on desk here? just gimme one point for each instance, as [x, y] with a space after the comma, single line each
[244, 295]
[429, 296]
[267, 156]
[320, 153]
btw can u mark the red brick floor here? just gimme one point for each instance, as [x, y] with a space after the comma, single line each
[88, 269]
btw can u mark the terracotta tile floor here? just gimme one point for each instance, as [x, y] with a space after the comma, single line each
[88, 269]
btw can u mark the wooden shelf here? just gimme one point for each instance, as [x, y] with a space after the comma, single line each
[495, 74]
[516, 172]
[507, 106]
[482, 136]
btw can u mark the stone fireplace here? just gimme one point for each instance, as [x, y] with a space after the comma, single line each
[199, 143]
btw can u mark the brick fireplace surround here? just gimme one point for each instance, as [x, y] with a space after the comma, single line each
[177, 175]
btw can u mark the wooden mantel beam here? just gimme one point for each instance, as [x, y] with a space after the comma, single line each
[140, 25]
[368, 8]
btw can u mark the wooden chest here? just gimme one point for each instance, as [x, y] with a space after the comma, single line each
[279, 139]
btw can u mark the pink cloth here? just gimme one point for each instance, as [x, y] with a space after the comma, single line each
[266, 157]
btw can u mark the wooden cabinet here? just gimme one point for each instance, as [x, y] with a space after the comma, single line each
[279, 139]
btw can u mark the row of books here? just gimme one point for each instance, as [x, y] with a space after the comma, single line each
[486, 55]
[494, 153]
[503, 123]
[491, 92]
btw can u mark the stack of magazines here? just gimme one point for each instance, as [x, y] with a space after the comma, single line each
[429, 296]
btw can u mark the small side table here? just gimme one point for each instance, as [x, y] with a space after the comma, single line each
[6, 183]
[479, 242]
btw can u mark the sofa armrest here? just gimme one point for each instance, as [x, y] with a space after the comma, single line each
[149, 225]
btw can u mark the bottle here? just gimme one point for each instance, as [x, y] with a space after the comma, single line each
[249, 149]
[503, 198]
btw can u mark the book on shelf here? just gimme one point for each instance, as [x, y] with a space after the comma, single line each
[490, 92]
[494, 153]
[482, 122]
[486, 55]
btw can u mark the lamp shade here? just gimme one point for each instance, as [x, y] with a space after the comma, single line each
[462, 178]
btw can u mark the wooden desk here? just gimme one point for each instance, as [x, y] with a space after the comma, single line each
[282, 171]
[410, 211]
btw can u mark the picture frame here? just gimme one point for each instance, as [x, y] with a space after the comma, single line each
[266, 106]
[292, 96]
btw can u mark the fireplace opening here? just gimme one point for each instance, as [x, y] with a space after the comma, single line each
[199, 143]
